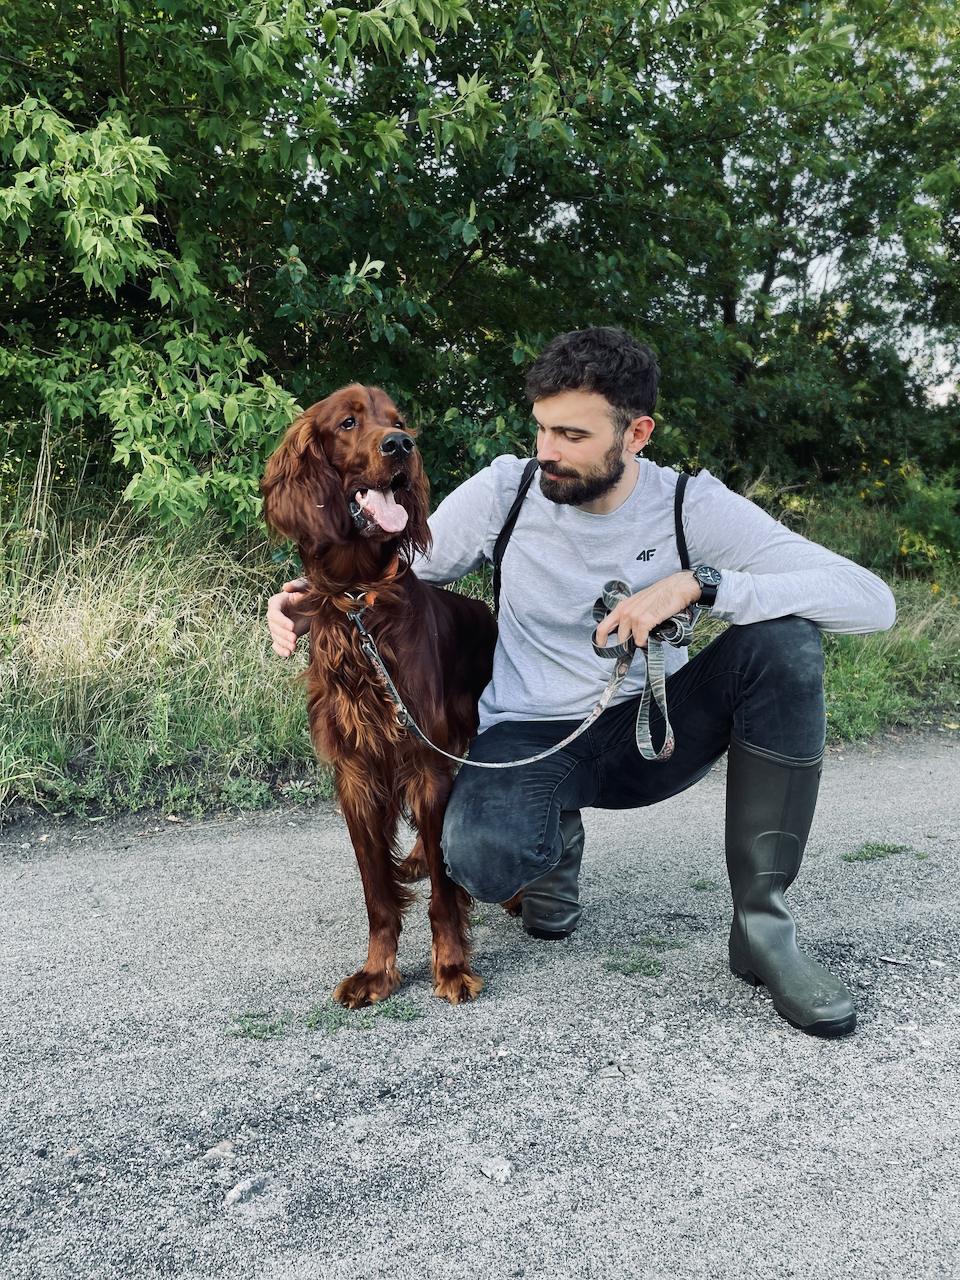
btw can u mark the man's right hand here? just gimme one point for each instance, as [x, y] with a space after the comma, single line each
[286, 625]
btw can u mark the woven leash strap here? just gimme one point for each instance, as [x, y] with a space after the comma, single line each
[404, 718]
[676, 631]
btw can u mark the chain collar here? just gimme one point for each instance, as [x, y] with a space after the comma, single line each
[365, 597]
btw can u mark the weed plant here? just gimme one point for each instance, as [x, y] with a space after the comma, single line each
[873, 850]
[638, 961]
[330, 1016]
[259, 1025]
[704, 885]
[633, 962]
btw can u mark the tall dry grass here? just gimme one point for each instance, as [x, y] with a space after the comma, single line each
[135, 668]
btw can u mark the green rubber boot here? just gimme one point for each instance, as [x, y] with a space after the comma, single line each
[770, 804]
[551, 905]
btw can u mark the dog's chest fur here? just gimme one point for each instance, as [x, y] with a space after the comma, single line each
[348, 705]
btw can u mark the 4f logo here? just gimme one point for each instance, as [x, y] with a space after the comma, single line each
[647, 555]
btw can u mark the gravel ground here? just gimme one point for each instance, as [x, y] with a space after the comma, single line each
[574, 1121]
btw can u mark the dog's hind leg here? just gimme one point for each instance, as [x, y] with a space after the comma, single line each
[414, 866]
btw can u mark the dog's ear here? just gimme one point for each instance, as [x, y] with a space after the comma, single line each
[302, 494]
[415, 499]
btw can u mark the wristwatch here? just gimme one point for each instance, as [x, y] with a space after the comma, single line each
[709, 580]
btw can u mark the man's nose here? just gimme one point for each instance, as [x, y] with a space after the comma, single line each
[547, 450]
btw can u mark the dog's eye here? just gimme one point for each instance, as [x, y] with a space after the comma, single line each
[399, 426]
[348, 424]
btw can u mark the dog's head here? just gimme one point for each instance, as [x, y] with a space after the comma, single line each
[348, 469]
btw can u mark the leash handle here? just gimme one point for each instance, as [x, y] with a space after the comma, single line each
[677, 631]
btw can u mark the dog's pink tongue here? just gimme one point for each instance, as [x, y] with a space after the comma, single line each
[381, 504]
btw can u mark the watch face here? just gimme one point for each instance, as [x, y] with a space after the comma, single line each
[707, 577]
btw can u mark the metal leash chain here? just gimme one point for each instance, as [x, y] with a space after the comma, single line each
[677, 631]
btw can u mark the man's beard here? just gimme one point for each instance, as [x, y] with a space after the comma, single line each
[574, 489]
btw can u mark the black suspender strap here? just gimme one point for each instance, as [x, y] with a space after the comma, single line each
[529, 471]
[678, 521]
[500, 546]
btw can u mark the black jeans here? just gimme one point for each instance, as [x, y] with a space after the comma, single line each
[761, 683]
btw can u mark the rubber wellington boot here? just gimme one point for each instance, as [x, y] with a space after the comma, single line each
[551, 905]
[770, 804]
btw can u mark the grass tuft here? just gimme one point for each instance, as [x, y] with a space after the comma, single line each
[910, 673]
[872, 850]
[258, 1026]
[331, 1017]
[398, 1009]
[135, 672]
[630, 962]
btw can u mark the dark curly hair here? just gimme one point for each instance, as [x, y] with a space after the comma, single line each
[610, 362]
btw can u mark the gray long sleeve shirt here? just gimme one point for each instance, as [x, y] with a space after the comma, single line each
[559, 557]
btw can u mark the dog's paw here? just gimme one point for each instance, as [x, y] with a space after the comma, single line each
[363, 988]
[513, 906]
[414, 866]
[457, 983]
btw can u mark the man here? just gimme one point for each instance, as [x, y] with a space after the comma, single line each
[601, 512]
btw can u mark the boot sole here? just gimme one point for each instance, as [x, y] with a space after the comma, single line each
[548, 935]
[826, 1030]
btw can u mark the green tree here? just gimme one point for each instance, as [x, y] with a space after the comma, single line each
[211, 216]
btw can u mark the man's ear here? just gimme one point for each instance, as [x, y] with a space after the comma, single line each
[637, 434]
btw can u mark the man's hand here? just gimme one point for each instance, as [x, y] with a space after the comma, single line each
[636, 616]
[286, 625]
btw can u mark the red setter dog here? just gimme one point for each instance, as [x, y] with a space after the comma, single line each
[347, 485]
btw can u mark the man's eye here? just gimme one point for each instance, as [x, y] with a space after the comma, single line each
[348, 424]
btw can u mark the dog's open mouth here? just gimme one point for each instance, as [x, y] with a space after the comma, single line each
[373, 509]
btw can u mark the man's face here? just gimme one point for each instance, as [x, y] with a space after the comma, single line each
[581, 454]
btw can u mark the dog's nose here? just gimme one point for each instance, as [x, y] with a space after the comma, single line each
[396, 445]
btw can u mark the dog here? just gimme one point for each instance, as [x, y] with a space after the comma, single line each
[347, 485]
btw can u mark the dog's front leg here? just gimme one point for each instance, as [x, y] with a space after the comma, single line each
[372, 832]
[449, 913]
